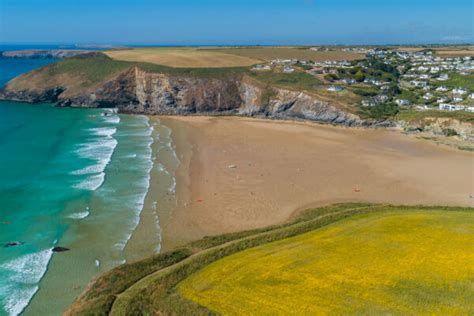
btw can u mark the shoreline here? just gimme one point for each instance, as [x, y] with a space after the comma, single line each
[240, 166]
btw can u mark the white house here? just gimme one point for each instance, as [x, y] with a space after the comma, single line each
[402, 102]
[428, 96]
[442, 89]
[418, 84]
[457, 99]
[288, 69]
[442, 100]
[451, 107]
[262, 67]
[335, 88]
[349, 81]
[471, 96]
[443, 77]
[460, 91]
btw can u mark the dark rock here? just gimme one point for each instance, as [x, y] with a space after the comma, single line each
[13, 244]
[60, 249]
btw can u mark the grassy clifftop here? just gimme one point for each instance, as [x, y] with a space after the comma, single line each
[90, 69]
[153, 286]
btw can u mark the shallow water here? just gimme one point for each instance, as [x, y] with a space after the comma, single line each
[76, 178]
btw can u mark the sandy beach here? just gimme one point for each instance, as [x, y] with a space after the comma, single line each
[238, 174]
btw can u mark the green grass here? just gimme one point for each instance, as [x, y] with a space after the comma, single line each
[364, 91]
[297, 80]
[119, 292]
[380, 111]
[410, 115]
[97, 68]
[91, 68]
[456, 81]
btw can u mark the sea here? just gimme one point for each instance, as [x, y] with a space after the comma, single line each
[74, 178]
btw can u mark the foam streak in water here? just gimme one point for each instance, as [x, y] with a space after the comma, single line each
[23, 276]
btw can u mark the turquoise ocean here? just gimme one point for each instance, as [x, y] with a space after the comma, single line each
[76, 178]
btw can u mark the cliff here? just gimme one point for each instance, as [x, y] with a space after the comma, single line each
[43, 53]
[136, 88]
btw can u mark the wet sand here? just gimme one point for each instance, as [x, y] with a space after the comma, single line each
[238, 173]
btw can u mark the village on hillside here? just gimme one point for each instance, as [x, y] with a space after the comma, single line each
[419, 80]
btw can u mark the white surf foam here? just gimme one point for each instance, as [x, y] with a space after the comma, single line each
[91, 183]
[23, 275]
[79, 215]
[139, 199]
[99, 150]
[111, 119]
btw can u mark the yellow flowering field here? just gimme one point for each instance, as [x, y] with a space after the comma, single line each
[397, 263]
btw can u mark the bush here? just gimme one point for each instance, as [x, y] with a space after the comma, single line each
[381, 111]
[359, 76]
[331, 77]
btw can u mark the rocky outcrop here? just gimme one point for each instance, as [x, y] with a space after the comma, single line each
[138, 91]
[42, 53]
[441, 127]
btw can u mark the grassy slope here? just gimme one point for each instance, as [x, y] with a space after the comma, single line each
[456, 81]
[393, 262]
[418, 116]
[118, 291]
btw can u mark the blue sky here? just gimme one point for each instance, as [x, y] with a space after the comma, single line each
[185, 22]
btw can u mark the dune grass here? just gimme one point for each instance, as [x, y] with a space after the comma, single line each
[396, 262]
[150, 286]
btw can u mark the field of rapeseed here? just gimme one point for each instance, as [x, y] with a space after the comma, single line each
[383, 263]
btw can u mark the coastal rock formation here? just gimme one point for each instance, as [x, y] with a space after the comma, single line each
[43, 53]
[441, 127]
[137, 91]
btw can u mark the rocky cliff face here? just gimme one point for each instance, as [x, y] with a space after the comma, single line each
[441, 127]
[44, 53]
[137, 91]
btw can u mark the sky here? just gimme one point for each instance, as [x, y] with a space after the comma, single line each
[236, 22]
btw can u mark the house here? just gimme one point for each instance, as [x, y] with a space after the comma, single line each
[460, 91]
[418, 84]
[422, 107]
[442, 89]
[381, 98]
[471, 96]
[288, 69]
[457, 99]
[402, 102]
[428, 96]
[335, 88]
[367, 103]
[451, 107]
[443, 77]
[349, 81]
[442, 100]
[262, 67]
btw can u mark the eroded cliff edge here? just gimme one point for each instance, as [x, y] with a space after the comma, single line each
[135, 88]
